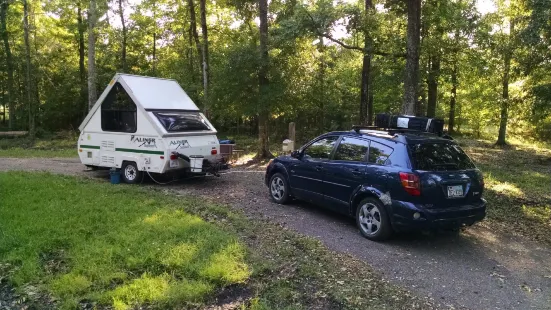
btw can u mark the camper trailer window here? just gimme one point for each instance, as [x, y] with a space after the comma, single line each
[118, 111]
[182, 121]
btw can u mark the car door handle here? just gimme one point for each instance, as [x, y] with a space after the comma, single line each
[356, 172]
[319, 168]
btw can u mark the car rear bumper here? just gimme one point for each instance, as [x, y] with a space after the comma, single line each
[436, 218]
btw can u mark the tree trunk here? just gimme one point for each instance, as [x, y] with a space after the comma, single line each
[9, 98]
[451, 122]
[263, 110]
[29, 87]
[501, 139]
[370, 111]
[321, 87]
[366, 109]
[3, 90]
[411, 79]
[81, 68]
[92, 92]
[193, 26]
[124, 37]
[432, 85]
[205, 53]
[154, 38]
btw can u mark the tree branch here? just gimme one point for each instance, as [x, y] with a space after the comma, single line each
[369, 51]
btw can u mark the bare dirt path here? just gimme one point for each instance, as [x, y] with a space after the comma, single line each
[477, 269]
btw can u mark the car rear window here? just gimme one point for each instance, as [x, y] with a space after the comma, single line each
[439, 156]
[182, 121]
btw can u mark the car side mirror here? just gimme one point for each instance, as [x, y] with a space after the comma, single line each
[296, 154]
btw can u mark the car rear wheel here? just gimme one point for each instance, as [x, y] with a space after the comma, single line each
[372, 220]
[279, 188]
[130, 173]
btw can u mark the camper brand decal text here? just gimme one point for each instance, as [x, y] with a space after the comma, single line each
[145, 142]
[180, 144]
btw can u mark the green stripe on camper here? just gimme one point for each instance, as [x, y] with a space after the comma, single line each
[89, 147]
[140, 151]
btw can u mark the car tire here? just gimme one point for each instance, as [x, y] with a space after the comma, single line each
[279, 188]
[130, 173]
[372, 220]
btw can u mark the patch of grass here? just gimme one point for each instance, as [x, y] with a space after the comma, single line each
[126, 247]
[517, 184]
[62, 144]
[119, 245]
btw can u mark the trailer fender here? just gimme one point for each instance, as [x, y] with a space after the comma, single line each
[130, 158]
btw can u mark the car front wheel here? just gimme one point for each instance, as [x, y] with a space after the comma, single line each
[279, 188]
[372, 220]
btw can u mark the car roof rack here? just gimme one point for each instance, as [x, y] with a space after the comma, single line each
[394, 131]
[375, 129]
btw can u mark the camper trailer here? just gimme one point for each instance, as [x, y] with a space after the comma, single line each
[148, 125]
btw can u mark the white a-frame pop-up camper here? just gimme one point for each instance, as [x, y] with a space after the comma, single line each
[147, 124]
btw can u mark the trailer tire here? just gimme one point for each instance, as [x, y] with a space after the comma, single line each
[130, 173]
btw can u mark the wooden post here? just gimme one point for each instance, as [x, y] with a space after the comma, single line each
[292, 134]
[292, 131]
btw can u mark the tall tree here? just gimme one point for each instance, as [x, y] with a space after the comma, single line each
[411, 79]
[28, 70]
[366, 105]
[507, 55]
[10, 95]
[205, 52]
[81, 68]
[92, 91]
[263, 83]
[124, 37]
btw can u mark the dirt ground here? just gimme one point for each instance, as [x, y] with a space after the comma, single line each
[480, 268]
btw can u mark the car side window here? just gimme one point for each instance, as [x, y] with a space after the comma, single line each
[320, 149]
[352, 149]
[378, 153]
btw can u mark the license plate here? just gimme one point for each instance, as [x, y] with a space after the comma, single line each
[174, 163]
[455, 191]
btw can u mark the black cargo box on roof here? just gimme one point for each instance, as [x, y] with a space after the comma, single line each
[432, 125]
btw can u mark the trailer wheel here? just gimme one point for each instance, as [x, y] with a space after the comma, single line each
[130, 173]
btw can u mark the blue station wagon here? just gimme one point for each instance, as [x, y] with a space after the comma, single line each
[388, 180]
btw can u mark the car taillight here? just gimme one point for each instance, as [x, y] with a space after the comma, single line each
[173, 156]
[411, 184]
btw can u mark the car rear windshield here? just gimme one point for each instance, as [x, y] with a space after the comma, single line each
[439, 156]
[182, 121]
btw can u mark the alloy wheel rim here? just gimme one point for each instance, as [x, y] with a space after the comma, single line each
[130, 172]
[370, 219]
[277, 188]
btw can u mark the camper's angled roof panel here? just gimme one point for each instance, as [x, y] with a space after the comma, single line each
[153, 93]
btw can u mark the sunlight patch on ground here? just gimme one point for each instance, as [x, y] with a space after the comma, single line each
[542, 213]
[504, 188]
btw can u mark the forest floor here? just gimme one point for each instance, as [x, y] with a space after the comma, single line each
[501, 263]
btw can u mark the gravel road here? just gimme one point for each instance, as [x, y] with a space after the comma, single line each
[476, 269]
